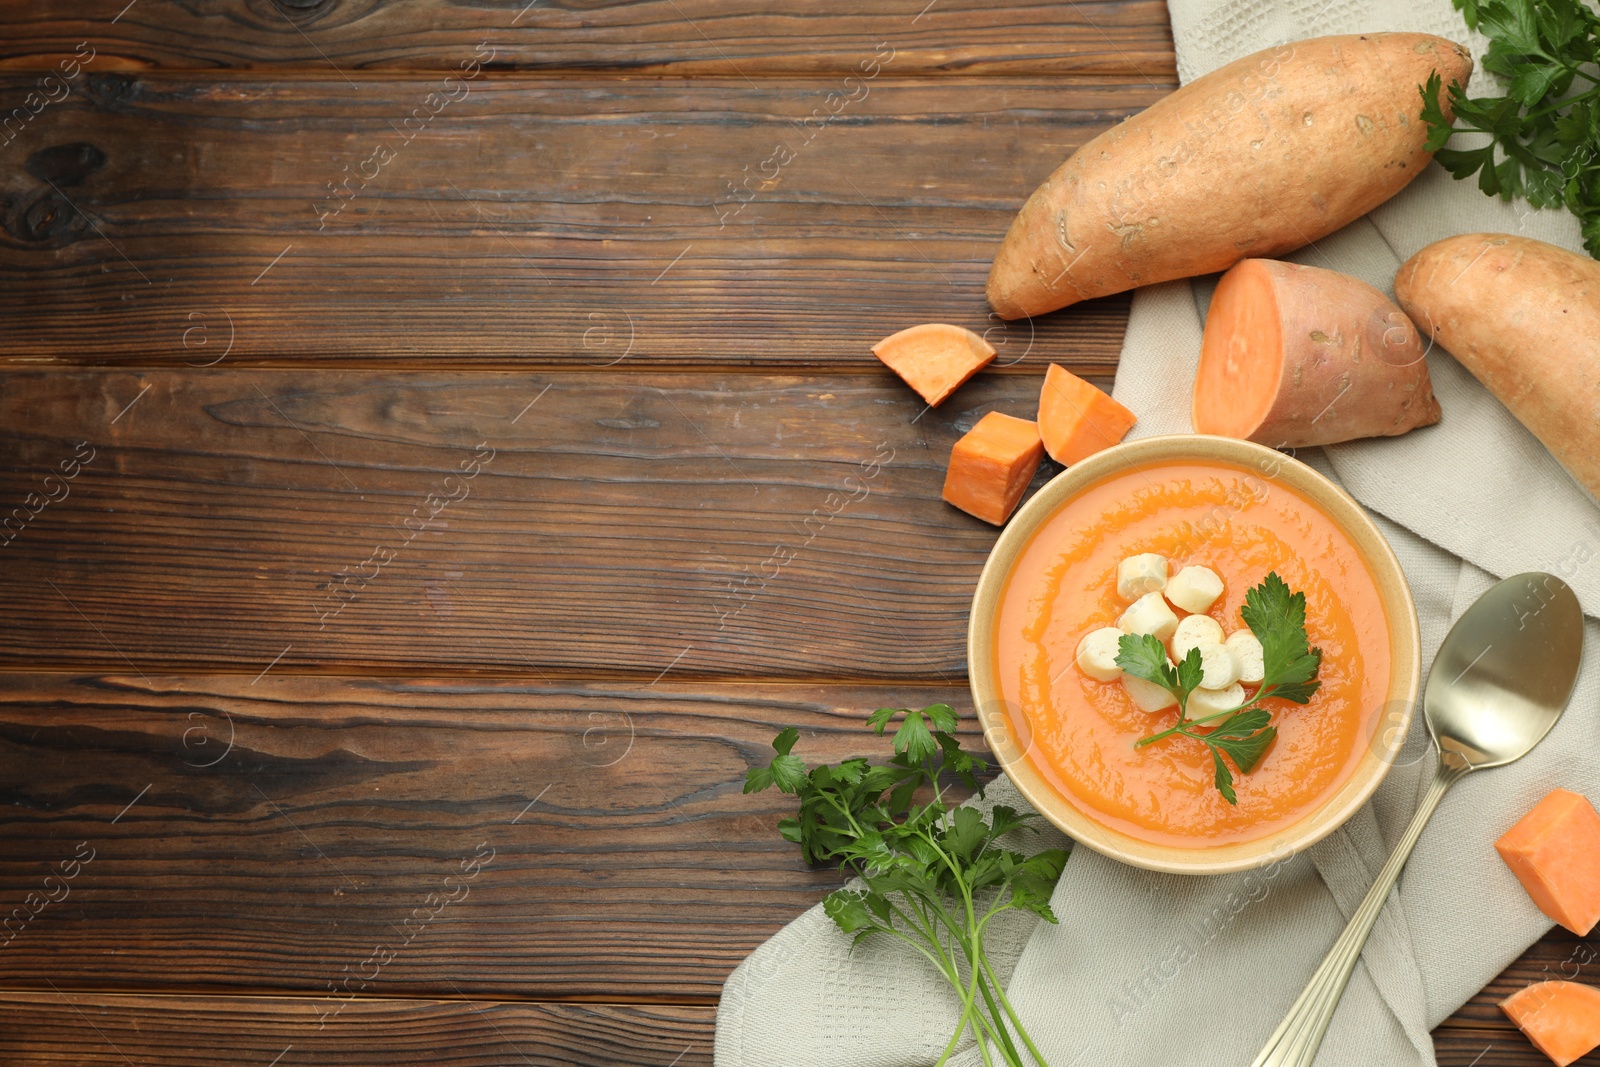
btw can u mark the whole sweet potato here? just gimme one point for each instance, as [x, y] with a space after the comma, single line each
[1255, 159]
[1524, 317]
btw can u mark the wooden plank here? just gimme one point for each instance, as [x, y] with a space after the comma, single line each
[729, 37]
[346, 836]
[727, 523]
[83, 1029]
[1463, 1047]
[90, 1030]
[182, 221]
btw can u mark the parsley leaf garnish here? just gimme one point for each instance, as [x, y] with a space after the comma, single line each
[1244, 736]
[1144, 656]
[1278, 619]
[931, 875]
[1544, 138]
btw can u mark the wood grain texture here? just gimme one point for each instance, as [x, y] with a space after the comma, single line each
[717, 524]
[162, 220]
[205, 195]
[504, 838]
[1463, 1047]
[729, 37]
[99, 1030]
[270, 834]
[108, 1030]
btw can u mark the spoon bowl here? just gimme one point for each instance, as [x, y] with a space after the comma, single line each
[1506, 671]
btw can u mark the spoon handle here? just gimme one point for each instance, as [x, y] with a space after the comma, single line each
[1295, 1042]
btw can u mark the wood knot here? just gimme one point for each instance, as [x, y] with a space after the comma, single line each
[302, 8]
[299, 15]
[111, 91]
[46, 218]
[65, 164]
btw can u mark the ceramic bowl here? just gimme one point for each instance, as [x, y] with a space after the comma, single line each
[1390, 722]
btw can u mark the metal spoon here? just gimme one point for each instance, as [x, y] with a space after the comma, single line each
[1501, 679]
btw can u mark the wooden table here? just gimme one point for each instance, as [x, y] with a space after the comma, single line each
[403, 409]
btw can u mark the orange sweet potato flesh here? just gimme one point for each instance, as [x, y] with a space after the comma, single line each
[1257, 158]
[1524, 317]
[1295, 356]
[1561, 1018]
[1554, 851]
[1076, 420]
[991, 466]
[934, 358]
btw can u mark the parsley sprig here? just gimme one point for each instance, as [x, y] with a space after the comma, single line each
[932, 875]
[1278, 619]
[1545, 138]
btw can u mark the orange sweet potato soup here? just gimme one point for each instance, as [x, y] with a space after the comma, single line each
[1080, 733]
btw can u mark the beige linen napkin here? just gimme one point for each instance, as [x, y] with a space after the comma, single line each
[1149, 969]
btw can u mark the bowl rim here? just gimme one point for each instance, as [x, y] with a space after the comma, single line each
[1390, 723]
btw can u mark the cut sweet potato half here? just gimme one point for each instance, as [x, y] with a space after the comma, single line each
[1295, 356]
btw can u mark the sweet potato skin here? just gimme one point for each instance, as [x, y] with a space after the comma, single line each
[1353, 364]
[1255, 159]
[1524, 317]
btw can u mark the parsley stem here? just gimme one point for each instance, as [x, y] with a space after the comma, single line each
[971, 1010]
[944, 966]
[971, 947]
[967, 1012]
[1559, 104]
[983, 1048]
[949, 921]
[846, 812]
[982, 979]
[999, 989]
[923, 928]
[973, 950]
[997, 1023]
[950, 1046]
[1010, 1013]
[1179, 727]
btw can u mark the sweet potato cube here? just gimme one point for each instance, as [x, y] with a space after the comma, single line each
[934, 358]
[1554, 850]
[991, 466]
[1561, 1018]
[1076, 420]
